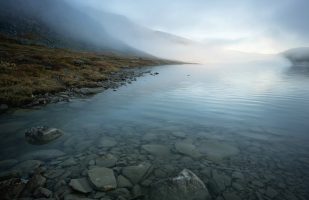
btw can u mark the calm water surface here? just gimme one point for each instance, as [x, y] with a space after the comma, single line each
[242, 128]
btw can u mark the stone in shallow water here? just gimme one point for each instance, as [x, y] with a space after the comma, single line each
[42, 135]
[179, 134]
[54, 173]
[107, 142]
[107, 160]
[185, 186]
[137, 173]
[157, 150]
[28, 166]
[45, 154]
[102, 178]
[81, 185]
[231, 196]
[123, 182]
[69, 162]
[271, 192]
[216, 150]
[187, 149]
[4, 164]
[11, 188]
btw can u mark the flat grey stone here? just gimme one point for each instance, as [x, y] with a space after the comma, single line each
[107, 142]
[270, 192]
[187, 149]
[231, 196]
[123, 182]
[157, 150]
[217, 150]
[28, 166]
[81, 185]
[102, 178]
[68, 162]
[107, 160]
[136, 173]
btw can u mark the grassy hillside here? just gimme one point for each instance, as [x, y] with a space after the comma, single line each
[27, 70]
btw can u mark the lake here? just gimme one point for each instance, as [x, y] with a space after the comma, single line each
[243, 129]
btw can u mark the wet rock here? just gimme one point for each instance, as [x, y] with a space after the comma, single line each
[42, 193]
[54, 173]
[137, 191]
[157, 150]
[4, 175]
[221, 180]
[28, 166]
[11, 188]
[237, 186]
[45, 154]
[120, 192]
[35, 182]
[216, 150]
[42, 135]
[123, 182]
[231, 196]
[102, 178]
[238, 175]
[185, 186]
[81, 185]
[188, 149]
[106, 161]
[4, 164]
[76, 197]
[107, 142]
[270, 192]
[68, 162]
[137, 173]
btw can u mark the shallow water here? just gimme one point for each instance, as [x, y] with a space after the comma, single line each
[242, 128]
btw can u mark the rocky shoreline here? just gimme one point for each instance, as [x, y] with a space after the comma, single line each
[114, 80]
[162, 164]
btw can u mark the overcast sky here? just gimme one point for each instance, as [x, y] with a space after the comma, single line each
[263, 26]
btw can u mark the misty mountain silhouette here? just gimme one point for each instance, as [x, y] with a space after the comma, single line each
[55, 23]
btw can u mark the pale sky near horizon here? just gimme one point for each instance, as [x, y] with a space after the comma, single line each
[245, 25]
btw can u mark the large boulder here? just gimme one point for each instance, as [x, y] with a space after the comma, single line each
[185, 186]
[42, 135]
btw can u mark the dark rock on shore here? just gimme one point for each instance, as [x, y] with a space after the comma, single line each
[42, 135]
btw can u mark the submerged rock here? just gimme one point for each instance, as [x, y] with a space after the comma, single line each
[45, 154]
[185, 186]
[28, 166]
[102, 178]
[157, 150]
[187, 149]
[217, 150]
[137, 173]
[123, 182]
[81, 185]
[11, 188]
[107, 160]
[42, 135]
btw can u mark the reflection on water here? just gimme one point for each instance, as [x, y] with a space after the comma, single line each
[243, 129]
